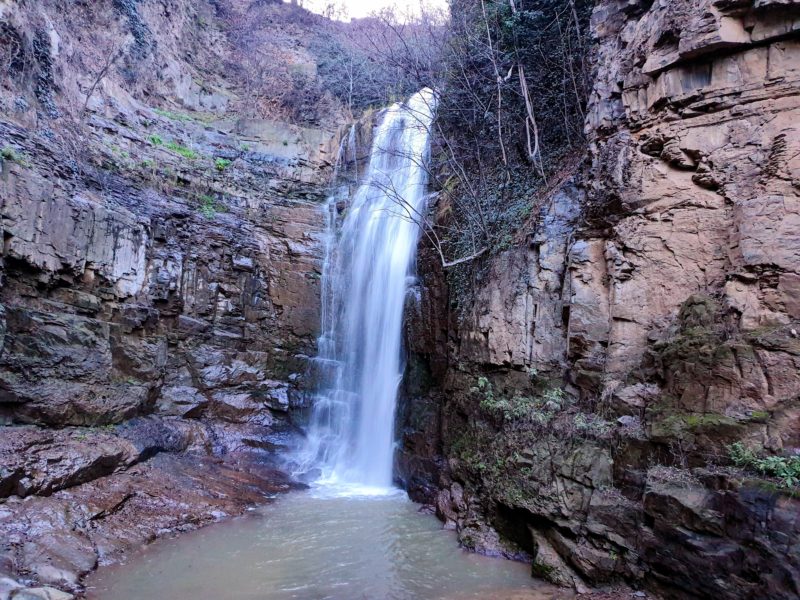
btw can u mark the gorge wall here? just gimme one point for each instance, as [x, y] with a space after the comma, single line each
[579, 406]
[160, 271]
[162, 167]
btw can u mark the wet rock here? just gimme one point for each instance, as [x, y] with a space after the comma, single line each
[61, 537]
[180, 400]
[38, 462]
[145, 333]
[548, 565]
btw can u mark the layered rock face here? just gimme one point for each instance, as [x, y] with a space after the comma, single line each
[160, 275]
[649, 321]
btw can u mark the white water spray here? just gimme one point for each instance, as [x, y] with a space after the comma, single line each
[368, 260]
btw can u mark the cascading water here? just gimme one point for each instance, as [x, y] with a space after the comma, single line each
[368, 260]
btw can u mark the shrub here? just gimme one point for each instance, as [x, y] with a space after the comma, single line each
[156, 140]
[591, 424]
[208, 206]
[520, 409]
[784, 468]
[11, 155]
[221, 164]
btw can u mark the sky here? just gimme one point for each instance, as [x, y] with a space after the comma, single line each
[362, 8]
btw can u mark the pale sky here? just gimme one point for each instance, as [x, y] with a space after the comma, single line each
[363, 8]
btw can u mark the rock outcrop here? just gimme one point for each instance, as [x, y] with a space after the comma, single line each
[160, 272]
[602, 369]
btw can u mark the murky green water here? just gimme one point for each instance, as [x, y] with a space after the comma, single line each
[315, 546]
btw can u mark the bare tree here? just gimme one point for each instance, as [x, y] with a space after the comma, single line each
[112, 58]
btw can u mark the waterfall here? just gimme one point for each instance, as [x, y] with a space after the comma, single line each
[369, 259]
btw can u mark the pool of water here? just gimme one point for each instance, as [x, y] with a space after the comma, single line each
[325, 543]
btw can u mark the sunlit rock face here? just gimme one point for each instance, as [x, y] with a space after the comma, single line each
[659, 289]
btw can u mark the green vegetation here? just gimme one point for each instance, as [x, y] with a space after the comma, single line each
[11, 155]
[120, 152]
[687, 426]
[591, 424]
[784, 468]
[182, 150]
[505, 442]
[539, 409]
[542, 571]
[709, 421]
[209, 206]
[156, 140]
[222, 163]
[172, 115]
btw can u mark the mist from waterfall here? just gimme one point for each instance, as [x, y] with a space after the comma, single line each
[369, 260]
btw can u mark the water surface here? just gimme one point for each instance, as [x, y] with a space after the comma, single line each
[319, 545]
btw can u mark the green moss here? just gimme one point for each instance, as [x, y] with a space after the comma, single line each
[542, 571]
[679, 425]
[709, 421]
[11, 155]
[698, 311]
[759, 416]
[467, 541]
[208, 206]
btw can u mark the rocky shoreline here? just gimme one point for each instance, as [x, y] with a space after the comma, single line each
[78, 498]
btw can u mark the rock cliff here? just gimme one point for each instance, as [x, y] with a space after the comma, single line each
[162, 166]
[580, 409]
[160, 271]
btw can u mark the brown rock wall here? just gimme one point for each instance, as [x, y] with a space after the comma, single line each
[603, 368]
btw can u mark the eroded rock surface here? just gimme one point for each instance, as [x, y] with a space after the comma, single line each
[160, 274]
[600, 372]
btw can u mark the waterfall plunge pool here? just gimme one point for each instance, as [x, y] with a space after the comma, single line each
[323, 543]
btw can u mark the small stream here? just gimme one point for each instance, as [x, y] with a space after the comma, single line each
[320, 544]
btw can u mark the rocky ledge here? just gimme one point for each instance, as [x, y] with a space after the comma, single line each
[76, 498]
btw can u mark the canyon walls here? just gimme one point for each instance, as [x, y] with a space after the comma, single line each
[580, 405]
[162, 171]
[160, 273]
